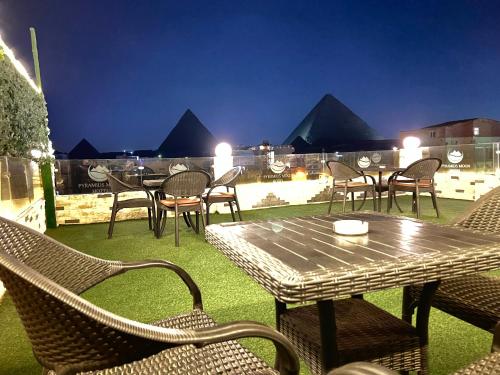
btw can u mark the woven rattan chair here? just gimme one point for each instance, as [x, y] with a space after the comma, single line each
[118, 187]
[342, 182]
[227, 180]
[488, 365]
[181, 193]
[70, 335]
[473, 298]
[417, 178]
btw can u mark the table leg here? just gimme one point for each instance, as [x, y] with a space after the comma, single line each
[422, 324]
[328, 332]
[280, 308]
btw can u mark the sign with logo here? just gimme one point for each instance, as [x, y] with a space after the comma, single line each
[98, 173]
[364, 161]
[458, 157]
[455, 156]
[278, 171]
[376, 157]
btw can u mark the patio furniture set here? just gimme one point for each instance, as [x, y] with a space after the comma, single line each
[298, 261]
[181, 193]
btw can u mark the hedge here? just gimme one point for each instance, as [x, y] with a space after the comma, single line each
[23, 114]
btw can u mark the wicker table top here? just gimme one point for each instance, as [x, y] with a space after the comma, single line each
[156, 183]
[300, 259]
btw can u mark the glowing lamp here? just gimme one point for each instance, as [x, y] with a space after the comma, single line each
[299, 175]
[223, 149]
[411, 143]
[37, 154]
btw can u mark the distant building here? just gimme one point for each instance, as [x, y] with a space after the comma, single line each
[331, 126]
[188, 138]
[468, 131]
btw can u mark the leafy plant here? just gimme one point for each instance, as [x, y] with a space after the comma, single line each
[23, 114]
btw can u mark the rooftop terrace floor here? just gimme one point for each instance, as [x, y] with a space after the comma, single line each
[228, 293]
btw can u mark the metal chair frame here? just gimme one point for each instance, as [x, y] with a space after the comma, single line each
[227, 180]
[345, 173]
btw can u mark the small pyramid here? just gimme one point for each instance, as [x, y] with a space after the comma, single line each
[83, 150]
[331, 123]
[188, 138]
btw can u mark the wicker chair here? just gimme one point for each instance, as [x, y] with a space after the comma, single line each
[70, 335]
[227, 180]
[485, 366]
[342, 181]
[185, 190]
[418, 178]
[473, 298]
[118, 187]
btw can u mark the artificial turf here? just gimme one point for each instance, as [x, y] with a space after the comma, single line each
[228, 293]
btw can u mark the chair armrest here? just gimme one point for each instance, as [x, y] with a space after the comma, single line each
[212, 187]
[362, 368]
[287, 359]
[186, 278]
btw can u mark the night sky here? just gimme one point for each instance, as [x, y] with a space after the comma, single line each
[121, 73]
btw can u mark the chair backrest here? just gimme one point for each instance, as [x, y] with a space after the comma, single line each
[229, 178]
[67, 333]
[117, 185]
[484, 214]
[186, 183]
[342, 171]
[422, 169]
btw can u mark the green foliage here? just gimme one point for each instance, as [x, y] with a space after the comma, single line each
[23, 114]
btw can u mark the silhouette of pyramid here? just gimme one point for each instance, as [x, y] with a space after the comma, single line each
[330, 123]
[188, 138]
[83, 150]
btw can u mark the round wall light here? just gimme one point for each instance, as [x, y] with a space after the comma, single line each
[411, 142]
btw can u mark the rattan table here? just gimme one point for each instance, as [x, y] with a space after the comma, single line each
[300, 260]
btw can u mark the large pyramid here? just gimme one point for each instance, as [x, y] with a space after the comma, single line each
[188, 138]
[83, 150]
[330, 123]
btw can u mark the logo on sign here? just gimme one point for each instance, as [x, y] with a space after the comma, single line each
[277, 167]
[176, 168]
[98, 173]
[364, 162]
[376, 157]
[455, 156]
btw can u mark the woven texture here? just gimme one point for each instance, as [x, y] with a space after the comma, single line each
[364, 333]
[489, 365]
[70, 335]
[473, 298]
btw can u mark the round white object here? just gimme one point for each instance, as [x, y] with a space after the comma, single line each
[350, 227]
[223, 149]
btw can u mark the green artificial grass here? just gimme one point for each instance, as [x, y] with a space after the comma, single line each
[228, 293]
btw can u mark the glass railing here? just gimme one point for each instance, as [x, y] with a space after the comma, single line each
[88, 175]
[19, 179]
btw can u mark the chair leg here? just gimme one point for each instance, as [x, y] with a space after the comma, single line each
[331, 200]
[389, 199]
[176, 226]
[344, 201]
[114, 210]
[197, 228]
[434, 202]
[161, 222]
[149, 219]
[208, 213]
[363, 202]
[202, 214]
[417, 201]
[374, 194]
[232, 211]
[153, 218]
[352, 201]
[238, 207]
[396, 202]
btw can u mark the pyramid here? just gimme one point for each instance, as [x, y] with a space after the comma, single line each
[84, 150]
[188, 138]
[330, 123]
